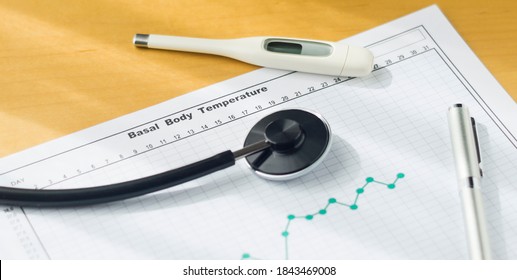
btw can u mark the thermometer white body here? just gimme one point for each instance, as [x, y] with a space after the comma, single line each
[311, 56]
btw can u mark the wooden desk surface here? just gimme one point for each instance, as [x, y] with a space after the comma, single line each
[67, 65]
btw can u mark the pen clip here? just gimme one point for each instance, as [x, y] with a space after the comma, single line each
[476, 141]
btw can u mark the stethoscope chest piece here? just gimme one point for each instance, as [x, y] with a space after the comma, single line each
[299, 141]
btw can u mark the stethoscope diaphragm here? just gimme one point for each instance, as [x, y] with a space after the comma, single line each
[299, 141]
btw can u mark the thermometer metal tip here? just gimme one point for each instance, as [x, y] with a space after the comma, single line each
[140, 40]
[304, 55]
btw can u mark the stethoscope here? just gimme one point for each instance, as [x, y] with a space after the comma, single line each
[281, 146]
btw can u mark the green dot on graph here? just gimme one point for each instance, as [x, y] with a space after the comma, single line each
[332, 200]
[400, 175]
[285, 233]
[245, 256]
[291, 217]
[354, 206]
[323, 212]
[360, 190]
[309, 217]
[369, 179]
[391, 186]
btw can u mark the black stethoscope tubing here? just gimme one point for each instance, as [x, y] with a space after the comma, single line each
[281, 146]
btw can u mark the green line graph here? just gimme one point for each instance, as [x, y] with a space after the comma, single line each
[324, 211]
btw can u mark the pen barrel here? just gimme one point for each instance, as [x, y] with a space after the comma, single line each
[468, 171]
[475, 221]
[464, 144]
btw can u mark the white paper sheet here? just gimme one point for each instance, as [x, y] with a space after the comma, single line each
[387, 189]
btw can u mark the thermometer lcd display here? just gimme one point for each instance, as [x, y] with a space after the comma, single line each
[310, 48]
[284, 47]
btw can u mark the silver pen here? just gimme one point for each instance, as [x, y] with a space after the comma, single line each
[468, 170]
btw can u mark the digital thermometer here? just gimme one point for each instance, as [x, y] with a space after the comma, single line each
[311, 56]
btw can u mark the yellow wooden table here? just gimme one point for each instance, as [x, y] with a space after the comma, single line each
[68, 65]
